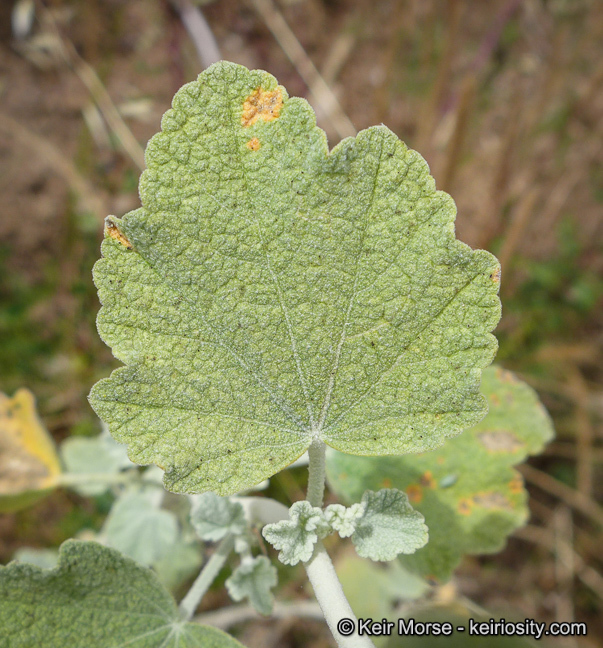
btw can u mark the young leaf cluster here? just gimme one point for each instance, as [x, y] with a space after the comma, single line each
[382, 526]
[216, 518]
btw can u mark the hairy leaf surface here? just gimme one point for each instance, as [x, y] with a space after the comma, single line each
[94, 598]
[269, 292]
[468, 491]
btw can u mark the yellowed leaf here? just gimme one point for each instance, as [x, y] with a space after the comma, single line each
[28, 459]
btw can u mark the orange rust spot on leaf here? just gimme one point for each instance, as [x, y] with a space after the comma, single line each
[465, 506]
[415, 493]
[254, 144]
[386, 483]
[495, 400]
[112, 230]
[440, 460]
[492, 500]
[499, 441]
[262, 104]
[427, 479]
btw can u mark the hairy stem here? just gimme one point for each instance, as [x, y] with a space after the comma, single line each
[320, 570]
[331, 598]
[316, 473]
[208, 574]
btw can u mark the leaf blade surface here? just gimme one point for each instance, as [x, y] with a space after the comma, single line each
[270, 292]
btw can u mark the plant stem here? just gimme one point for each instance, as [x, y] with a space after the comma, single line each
[316, 473]
[208, 574]
[320, 570]
[332, 600]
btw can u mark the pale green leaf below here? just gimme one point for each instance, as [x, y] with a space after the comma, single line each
[137, 527]
[46, 558]
[343, 519]
[213, 517]
[297, 536]
[181, 564]
[269, 292]
[100, 455]
[389, 526]
[95, 598]
[253, 579]
[468, 491]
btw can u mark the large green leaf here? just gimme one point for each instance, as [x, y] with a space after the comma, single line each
[468, 491]
[269, 293]
[95, 598]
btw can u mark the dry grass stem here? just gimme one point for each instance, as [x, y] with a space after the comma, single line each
[328, 102]
[87, 194]
[577, 500]
[200, 32]
[544, 538]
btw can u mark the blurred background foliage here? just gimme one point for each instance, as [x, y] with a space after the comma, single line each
[503, 98]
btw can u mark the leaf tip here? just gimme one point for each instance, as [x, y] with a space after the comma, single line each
[262, 104]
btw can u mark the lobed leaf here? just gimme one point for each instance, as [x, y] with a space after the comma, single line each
[344, 519]
[94, 597]
[468, 491]
[269, 292]
[140, 529]
[388, 526]
[213, 517]
[297, 536]
[253, 579]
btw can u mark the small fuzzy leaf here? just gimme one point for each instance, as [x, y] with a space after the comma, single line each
[29, 465]
[297, 536]
[253, 579]
[100, 455]
[343, 519]
[270, 292]
[468, 491]
[98, 598]
[389, 526]
[213, 517]
[138, 528]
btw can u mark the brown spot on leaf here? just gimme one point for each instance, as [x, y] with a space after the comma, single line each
[254, 144]
[427, 479]
[492, 501]
[262, 104]
[415, 493]
[495, 276]
[386, 483]
[113, 231]
[500, 441]
[465, 506]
